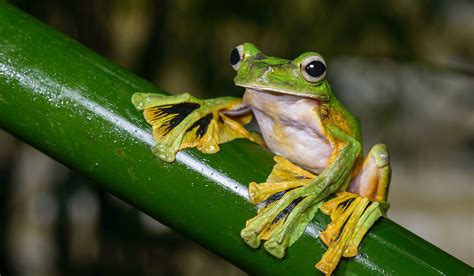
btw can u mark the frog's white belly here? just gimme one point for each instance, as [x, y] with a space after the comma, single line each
[291, 128]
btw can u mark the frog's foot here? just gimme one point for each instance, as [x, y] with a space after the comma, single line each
[352, 216]
[282, 178]
[281, 222]
[183, 121]
[285, 212]
[354, 213]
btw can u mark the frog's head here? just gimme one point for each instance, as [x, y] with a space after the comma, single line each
[304, 76]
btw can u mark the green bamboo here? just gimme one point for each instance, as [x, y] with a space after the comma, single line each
[75, 106]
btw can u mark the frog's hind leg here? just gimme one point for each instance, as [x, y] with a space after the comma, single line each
[183, 121]
[354, 212]
[374, 178]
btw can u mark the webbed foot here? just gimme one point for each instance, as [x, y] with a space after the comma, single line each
[281, 222]
[352, 216]
[286, 210]
[183, 121]
[354, 213]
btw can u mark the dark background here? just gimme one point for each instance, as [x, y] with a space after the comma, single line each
[404, 67]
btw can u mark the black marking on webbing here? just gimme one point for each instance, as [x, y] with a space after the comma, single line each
[275, 197]
[345, 204]
[202, 125]
[287, 210]
[367, 206]
[182, 110]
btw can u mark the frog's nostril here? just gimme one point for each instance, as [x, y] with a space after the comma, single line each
[260, 56]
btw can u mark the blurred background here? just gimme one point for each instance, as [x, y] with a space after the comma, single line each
[404, 67]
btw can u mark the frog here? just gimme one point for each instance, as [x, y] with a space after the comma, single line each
[316, 140]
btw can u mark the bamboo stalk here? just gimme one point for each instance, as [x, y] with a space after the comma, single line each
[75, 106]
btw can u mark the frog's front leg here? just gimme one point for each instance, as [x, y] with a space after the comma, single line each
[183, 121]
[356, 210]
[288, 212]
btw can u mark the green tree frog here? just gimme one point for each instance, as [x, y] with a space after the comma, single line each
[316, 140]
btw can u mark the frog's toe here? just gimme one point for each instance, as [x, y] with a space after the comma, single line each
[164, 152]
[259, 192]
[142, 101]
[276, 249]
[250, 237]
[137, 100]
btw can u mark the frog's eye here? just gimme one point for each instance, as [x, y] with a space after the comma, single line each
[313, 69]
[236, 56]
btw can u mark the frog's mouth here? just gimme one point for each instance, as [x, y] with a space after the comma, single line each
[240, 110]
[260, 89]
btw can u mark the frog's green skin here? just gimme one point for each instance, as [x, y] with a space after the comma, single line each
[300, 120]
[273, 81]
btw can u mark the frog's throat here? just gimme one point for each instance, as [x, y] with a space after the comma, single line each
[261, 89]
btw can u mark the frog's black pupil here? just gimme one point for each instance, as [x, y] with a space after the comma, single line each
[315, 68]
[234, 57]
